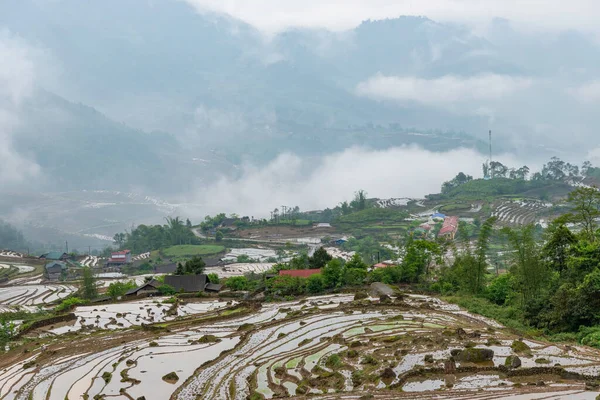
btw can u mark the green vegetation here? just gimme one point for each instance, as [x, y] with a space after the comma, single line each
[147, 238]
[69, 304]
[194, 266]
[118, 289]
[192, 250]
[88, 289]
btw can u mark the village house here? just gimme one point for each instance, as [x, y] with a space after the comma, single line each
[192, 283]
[147, 289]
[55, 256]
[53, 270]
[118, 259]
[449, 228]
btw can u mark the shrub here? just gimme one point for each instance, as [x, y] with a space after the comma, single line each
[107, 376]
[333, 361]
[69, 304]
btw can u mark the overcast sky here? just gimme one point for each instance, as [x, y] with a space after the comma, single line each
[275, 15]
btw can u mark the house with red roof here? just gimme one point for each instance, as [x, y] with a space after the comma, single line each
[449, 228]
[119, 258]
[299, 273]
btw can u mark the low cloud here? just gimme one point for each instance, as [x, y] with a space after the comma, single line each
[17, 82]
[446, 91]
[588, 92]
[325, 182]
[277, 15]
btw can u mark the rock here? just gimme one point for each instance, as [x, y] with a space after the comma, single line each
[449, 367]
[474, 355]
[141, 398]
[171, 377]
[521, 347]
[512, 362]
[428, 358]
[384, 298]
[460, 332]
[541, 383]
[388, 373]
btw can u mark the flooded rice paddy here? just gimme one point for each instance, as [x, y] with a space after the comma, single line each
[328, 347]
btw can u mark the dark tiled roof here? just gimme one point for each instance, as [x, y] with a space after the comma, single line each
[165, 269]
[213, 287]
[189, 283]
[152, 284]
[55, 264]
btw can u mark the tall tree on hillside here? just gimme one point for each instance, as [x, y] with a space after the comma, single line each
[319, 259]
[360, 201]
[586, 210]
[527, 267]
[88, 289]
[481, 250]
[119, 239]
[558, 247]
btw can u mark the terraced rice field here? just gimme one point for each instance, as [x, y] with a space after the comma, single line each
[520, 212]
[21, 269]
[125, 315]
[31, 295]
[90, 261]
[11, 254]
[143, 256]
[328, 347]
[239, 269]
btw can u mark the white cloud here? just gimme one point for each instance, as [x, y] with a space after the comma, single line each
[17, 80]
[444, 91]
[276, 15]
[589, 92]
[325, 182]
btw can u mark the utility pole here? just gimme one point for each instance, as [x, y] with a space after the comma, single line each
[67, 246]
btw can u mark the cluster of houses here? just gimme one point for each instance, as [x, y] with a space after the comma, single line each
[448, 230]
[60, 265]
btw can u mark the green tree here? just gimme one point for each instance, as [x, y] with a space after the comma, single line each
[219, 236]
[118, 289]
[529, 272]
[557, 248]
[419, 255]
[319, 259]
[586, 210]
[193, 266]
[356, 262]
[354, 276]
[213, 278]
[238, 283]
[332, 274]
[89, 291]
[314, 284]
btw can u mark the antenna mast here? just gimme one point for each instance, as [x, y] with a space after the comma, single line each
[490, 166]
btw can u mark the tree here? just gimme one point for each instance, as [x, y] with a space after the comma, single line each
[219, 236]
[213, 278]
[319, 259]
[119, 240]
[237, 283]
[356, 262]
[314, 284]
[528, 270]
[360, 201]
[419, 254]
[193, 266]
[89, 291]
[481, 249]
[458, 180]
[118, 289]
[498, 169]
[557, 248]
[188, 223]
[586, 210]
[354, 276]
[586, 167]
[332, 274]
